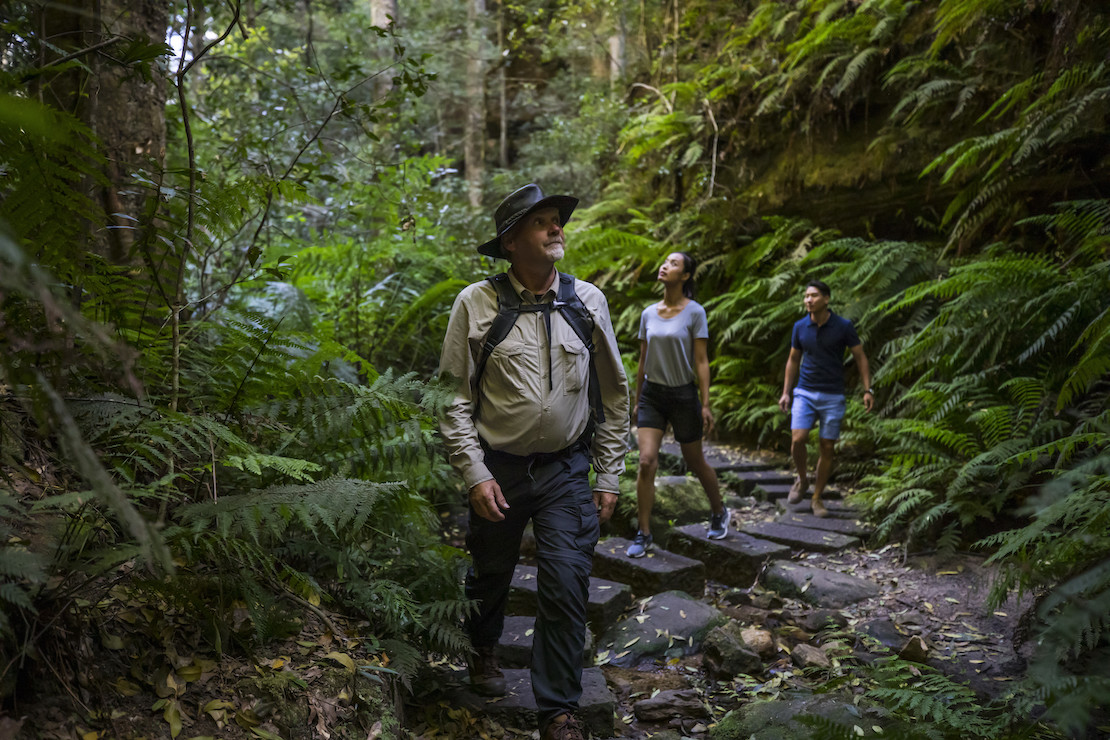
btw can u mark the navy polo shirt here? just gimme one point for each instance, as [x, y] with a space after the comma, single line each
[823, 352]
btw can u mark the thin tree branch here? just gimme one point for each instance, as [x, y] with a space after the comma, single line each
[713, 158]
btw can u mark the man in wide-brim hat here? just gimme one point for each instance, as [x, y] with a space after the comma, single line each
[519, 204]
[519, 434]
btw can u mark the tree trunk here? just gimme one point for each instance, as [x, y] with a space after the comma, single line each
[381, 11]
[474, 136]
[123, 105]
[502, 92]
[617, 42]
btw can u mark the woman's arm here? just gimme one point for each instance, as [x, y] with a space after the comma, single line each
[701, 367]
[639, 378]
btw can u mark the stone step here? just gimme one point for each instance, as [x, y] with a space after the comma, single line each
[607, 599]
[719, 458]
[775, 491]
[800, 538]
[515, 648]
[656, 572]
[803, 518]
[517, 709]
[817, 586]
[749, 479]
[734, 561]
[837, 509]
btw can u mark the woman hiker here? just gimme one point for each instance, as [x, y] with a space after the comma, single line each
[672, 386]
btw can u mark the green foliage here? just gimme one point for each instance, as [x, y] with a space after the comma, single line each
[215, 458]
[924, 703]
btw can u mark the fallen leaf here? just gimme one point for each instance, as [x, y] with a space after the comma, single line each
[632, 642]
[343, 659]
[112, 642]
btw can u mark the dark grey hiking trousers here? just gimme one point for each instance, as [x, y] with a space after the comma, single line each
[554, 492]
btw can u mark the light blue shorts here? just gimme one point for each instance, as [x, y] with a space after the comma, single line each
[810, 406]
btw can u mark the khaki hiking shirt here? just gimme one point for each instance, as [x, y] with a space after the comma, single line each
[521, 408]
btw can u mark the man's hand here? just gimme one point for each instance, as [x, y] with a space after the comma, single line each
[606, 501]
[784, 403]
[488, 501]
[868, 401]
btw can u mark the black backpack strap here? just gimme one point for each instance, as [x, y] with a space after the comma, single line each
[572, 309]
[508, 309]
[582, 322]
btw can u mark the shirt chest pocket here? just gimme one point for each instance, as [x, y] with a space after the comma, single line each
[574, 361]
[508, 366]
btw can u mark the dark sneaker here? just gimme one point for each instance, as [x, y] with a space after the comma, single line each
[718, 525]
[641, 543]
[486, 678]
[565, 727]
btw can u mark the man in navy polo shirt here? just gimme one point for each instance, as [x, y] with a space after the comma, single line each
[817, 345]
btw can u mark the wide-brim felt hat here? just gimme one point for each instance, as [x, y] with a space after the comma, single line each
[519, 204]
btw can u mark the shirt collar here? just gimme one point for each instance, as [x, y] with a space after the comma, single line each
[527, 295]
[814, 323]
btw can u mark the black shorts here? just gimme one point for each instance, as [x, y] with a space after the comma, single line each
[678, 404]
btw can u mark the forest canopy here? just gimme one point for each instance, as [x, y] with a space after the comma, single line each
[231, 233]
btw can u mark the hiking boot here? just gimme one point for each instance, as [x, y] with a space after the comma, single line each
[641, 543]
[564, 727]
[486, 678]
[718, 525]
[797, 491]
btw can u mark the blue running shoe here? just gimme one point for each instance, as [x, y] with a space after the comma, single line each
[641, 543]
[718, 525]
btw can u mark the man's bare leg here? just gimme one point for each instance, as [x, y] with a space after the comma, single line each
[798, 440]
[824, 467]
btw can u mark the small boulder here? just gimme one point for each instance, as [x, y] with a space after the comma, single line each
[759, 641]
[725, 654]
[915, 650]
[669, 705]
[816, 620]
[805, 655]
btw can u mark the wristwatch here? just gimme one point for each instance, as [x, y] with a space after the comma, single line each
[869, 391]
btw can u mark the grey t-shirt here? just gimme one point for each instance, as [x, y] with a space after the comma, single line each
[669, 359]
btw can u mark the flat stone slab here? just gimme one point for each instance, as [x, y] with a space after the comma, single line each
[735, 560]
[813, 540]
[837, 509]
[517, 708]
[607, 599]
[817, 586]
[672, 623]
[850, 527]
[719, 457]
[774, 491]
[749, 479]
[654, 573]
[515, 648]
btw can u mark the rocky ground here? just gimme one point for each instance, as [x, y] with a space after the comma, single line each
[929, 608]
[135, 676]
